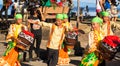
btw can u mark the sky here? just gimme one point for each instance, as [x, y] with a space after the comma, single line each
[90, 3]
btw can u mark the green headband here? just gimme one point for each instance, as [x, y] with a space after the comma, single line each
[105, 13]
[18, 16]
[59, 16]
[97, 20]
[65, 16]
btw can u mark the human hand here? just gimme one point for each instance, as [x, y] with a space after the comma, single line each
[30, 21]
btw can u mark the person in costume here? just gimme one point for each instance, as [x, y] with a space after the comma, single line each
[63, 52]
[56, 37]
[108, 26]
[95, 36]
[10, 57]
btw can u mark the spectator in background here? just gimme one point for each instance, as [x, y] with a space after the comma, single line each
[87, 11]
[104, 4]
[31, 7]
[37, 31]
[107, 5]
[12, 11]
[99, 7]
[114, 13]
[81, 15]
[6, 4]
[16, 6]
[24, 9]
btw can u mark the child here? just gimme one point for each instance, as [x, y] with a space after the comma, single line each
[63, 52]
[10, 57]
[95, 36]
[57, 34]
[56, 37]
[108, 27]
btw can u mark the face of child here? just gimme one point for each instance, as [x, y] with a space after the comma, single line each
[95, 26]
[18, 21]
[106, 19]
[59, 22]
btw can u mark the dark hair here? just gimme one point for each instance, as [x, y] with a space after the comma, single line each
[15, 0]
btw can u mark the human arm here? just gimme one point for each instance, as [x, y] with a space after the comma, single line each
[109, 2]
[44, 24]
[101, 2]
[10, 34]
[115, 25]
[90, 39]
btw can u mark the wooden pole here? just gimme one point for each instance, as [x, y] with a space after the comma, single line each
[78, 10]
[78, 7]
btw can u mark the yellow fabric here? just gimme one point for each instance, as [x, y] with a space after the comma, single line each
[105, 29]
[18, 30]
[68, 26]
[50, 37]
[112, 24]
[13, 32]
[94, 38]
[55, 41]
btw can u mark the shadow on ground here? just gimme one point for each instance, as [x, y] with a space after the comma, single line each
[23, 64]
[75, 62]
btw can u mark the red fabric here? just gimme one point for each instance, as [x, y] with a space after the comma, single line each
[53, 1]
[28, 33]
[112, 40]
[60, 4]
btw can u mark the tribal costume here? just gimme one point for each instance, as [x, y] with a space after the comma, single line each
[10, 57]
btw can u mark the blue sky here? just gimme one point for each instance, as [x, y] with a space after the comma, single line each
[83, 3]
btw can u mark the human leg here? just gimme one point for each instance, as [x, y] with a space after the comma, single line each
[52, 57]
[30, 50]
[6, 14]
[38, 42]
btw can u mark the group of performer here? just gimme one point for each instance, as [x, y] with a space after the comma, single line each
[57, 54]
[101, 28]
[57, 49]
